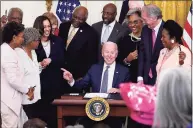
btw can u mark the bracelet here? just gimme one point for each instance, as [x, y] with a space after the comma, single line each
[126, 62]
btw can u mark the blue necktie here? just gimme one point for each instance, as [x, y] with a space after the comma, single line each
[105, 81]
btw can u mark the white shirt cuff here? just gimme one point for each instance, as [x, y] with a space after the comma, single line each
[72, 83]
[139, 78]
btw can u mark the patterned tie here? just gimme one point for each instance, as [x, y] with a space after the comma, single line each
[105, 81]
[153, 43]
[70, 37]
[105, 34]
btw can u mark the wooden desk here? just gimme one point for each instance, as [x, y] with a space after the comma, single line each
[75, 106]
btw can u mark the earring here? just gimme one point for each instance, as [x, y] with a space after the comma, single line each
[172, 41]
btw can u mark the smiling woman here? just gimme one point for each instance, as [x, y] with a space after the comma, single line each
[128, 48]
[174, 54]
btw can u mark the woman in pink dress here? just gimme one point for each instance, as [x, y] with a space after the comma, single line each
[174, 54]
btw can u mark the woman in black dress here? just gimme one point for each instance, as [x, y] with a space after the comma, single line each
[128, 47]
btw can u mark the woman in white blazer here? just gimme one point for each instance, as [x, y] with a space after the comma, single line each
[32, 69]
[12, 85]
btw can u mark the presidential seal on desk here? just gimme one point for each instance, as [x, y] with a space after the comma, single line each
[97, 109]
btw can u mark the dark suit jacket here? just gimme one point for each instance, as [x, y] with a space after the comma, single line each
[93, 77]
[82, 50]
[116, 35]
[147, 57]
[52, 77]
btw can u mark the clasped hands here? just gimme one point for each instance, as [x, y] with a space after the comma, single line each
[45, 62]
[69, 77]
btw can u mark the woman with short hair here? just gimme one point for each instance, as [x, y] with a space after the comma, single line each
[12, 76]
[32, 69]
[174, 54]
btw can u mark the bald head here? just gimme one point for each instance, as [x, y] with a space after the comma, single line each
[109, 13]
[109, 52]
[15, 14]
[79, 16]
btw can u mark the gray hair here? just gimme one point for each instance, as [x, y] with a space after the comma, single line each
[134, 11]
[30, 34]
[110, 43]
[152, 11]
[15, 9]
[131, 12]
[173, 105]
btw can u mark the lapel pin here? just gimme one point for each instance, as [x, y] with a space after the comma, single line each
[117, 72]
[80, 30]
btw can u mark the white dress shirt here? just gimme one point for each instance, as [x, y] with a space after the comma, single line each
[31, 74]
[111, 71]
[111, 26]
[46, 46]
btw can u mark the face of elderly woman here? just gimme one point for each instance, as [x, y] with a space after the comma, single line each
[47, 28]
[18, 40]
[135, 23]
[166, 39]
[35, 44]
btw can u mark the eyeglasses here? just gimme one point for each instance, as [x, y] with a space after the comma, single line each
[135, 22]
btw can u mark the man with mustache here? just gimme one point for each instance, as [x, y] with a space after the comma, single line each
[109, 29]
[81, 44]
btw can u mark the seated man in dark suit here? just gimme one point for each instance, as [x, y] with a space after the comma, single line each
[104, 78]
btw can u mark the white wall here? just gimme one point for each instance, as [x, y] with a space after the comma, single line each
[32, 9]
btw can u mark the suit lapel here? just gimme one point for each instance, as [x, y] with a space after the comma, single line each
[51, 47]
[116, 75]
[99, 75]
[78, 33]
[41, 52]
[114, 32]
[100, 28]
[157, 42]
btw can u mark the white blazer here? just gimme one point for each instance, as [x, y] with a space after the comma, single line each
[31, 74]
[12, 73]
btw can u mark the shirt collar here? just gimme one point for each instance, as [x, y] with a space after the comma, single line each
[112, 24]
[112, 65]
[156, 29]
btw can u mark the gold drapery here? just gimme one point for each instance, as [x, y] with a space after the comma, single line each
[48, 5]
[176, 10]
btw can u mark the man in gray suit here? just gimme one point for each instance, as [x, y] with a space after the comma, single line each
[109, 29]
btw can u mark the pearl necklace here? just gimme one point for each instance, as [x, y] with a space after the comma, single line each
[137, 39]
